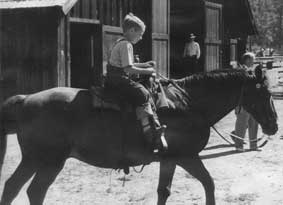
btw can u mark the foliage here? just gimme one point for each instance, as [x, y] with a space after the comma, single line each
[268, 16]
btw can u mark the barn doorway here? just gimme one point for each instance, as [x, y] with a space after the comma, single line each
[185, 17]
[82, 50]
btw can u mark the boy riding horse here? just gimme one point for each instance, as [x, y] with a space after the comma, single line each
[120, 66]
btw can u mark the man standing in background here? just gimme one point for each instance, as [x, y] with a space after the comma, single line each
[191, 55]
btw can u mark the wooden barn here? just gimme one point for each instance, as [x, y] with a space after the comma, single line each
[221, 27]
[47, 43]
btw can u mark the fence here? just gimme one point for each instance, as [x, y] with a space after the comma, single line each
[270, 62]
[274, 69]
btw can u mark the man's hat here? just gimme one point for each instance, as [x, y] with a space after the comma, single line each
[192, 36]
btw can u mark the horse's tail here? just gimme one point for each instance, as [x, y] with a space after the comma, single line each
[9, 113]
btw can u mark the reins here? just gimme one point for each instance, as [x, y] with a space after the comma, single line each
[176, 86]
[264, 138]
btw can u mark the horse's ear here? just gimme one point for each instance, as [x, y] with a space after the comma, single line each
[259, 72]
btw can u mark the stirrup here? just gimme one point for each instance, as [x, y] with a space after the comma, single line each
[161, 142]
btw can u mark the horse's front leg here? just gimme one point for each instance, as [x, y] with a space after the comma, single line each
[197, 169]
[166, 173]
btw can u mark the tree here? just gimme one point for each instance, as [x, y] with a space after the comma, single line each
[268, 15]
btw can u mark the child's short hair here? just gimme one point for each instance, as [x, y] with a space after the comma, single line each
[132, 21]
[246, 56]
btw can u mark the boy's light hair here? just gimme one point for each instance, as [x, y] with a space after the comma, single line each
[132, 21]
[248, 55]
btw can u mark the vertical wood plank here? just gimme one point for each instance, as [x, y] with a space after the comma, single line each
[60, 74]
[77, 9]
[68, 50]
[131, 6]
[101, 11]
[124, 7]
[85, 8]
[108, 11]
[160, 37]
[1, 48]
[120, 12]
[93, 10]
[114, 15]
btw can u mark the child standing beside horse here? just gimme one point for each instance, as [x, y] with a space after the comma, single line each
[244, 119]
[120, 66]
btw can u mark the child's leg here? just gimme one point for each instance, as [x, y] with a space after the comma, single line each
[241, 127]
[253, 130]
[138, 95]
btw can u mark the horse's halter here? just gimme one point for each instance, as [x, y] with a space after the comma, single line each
[240, 102]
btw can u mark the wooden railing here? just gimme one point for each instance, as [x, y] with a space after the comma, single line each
[276, 61]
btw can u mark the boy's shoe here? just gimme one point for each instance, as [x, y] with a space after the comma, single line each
[253, 146]
[239, 145]
[240, 149]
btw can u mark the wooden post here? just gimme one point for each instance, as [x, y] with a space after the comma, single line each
[60, 74]
[68, 50]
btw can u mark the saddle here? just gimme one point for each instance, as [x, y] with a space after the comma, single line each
[104, 98]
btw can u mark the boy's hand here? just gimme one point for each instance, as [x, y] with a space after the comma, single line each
[152, 63]
[150, 70]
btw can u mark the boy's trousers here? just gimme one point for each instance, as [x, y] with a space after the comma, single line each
[245, 120]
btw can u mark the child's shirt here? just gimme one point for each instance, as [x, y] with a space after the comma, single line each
[122, 54]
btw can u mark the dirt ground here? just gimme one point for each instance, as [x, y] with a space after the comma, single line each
[241, 178]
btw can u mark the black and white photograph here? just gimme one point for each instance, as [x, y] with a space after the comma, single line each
[141, 102]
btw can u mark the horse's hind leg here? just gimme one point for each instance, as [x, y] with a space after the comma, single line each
[197, 169]
[44, 177]
[13, 185]
[166, 173]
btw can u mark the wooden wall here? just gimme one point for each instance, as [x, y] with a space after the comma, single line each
[110, 14]
[213, 36]
[28, 50]
[161, 35]
[110, 36]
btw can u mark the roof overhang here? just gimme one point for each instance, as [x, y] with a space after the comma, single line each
[65, 5]
[240, 18]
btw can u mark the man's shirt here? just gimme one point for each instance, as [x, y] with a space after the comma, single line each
[192, 49]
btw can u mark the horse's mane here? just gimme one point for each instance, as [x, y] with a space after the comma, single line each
[215, 81]
[231, 77]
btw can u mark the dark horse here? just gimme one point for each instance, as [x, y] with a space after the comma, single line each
[59, 123]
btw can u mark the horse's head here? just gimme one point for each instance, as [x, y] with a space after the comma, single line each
[257, 100]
